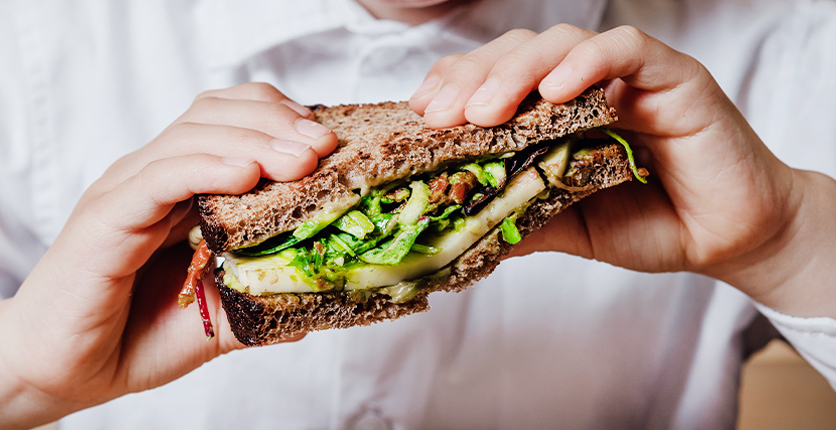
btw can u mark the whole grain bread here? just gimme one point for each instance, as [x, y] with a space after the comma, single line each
[379, 143]
[262, 320]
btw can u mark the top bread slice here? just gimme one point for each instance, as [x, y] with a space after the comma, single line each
[379, 143]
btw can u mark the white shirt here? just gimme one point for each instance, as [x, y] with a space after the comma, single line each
[548, 340]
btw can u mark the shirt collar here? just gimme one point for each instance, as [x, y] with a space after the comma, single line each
[232, 31]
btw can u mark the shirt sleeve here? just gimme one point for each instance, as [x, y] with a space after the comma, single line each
[813, 338]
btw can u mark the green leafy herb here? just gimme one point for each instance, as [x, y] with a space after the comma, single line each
[270, 246]
[303, 262]
[447, 212]
[339, 244]
[384, 223]
[393, 251]
[371, 204]
[626, 145]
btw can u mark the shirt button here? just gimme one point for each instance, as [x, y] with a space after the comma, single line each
[371, 420]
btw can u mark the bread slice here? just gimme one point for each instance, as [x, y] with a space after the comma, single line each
[377, 144]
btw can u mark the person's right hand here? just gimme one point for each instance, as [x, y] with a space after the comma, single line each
[98, 317]
[719, 203]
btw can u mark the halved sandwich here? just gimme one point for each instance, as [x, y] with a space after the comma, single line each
[399, 211]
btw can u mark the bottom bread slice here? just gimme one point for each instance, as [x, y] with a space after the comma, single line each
[263, 320]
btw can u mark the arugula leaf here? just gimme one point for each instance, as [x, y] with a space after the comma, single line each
[393, 251]
[270, 246]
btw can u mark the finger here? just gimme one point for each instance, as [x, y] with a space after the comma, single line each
[273, 118]
[257, 91]
[463, 78]
[279, 159]
[432, 83]
[519, 72]
[136, 216]
[145, 198]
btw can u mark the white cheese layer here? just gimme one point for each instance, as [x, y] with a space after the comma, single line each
[270, 274]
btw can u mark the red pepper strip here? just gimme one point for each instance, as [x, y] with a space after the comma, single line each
[204, 311]
[195, 275]
[193, 287]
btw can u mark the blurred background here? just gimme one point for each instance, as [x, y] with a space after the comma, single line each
[779, 390]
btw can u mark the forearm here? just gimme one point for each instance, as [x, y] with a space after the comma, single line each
[21, 405]
[795, 273]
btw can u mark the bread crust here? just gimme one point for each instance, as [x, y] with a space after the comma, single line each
[264, 320]
[379, 143]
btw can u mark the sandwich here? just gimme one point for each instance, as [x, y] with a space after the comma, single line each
[399, 211]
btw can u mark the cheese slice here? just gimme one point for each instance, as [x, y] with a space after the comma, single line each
[271, 274]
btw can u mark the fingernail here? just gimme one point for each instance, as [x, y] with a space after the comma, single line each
[443, 100]
[237, 161]
[485, 93]
[558, 77]
[312, 129]
[429, 83]
[289, 147]
[301, 110]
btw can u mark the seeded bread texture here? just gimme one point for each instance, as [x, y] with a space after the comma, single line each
[379, 143]
[264, 320]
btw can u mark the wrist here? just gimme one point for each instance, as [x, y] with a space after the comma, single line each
[22, 406]
[795, 271]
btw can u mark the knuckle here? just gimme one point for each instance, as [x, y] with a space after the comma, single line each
[203, 102]
[264, 91]
[445, 63]
[519, 34]
[280, 112]
[178, 131]
[632, 36]
[205, 94]
[450, 59]
[564, 28]
[514, 65]
[464, 66]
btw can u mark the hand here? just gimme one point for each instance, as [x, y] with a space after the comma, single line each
[719, 203]
[97, 318]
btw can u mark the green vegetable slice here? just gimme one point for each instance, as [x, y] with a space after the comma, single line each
[417, 204]
[626, 145]
[313, 226]
[424, 249]
[495, 172]
[393, 251]
[355, 223]
[477, 171]
[509, 229]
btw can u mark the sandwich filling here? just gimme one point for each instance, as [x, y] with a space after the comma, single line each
[406, 229]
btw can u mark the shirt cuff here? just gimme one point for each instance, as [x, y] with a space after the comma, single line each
[813, 338]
